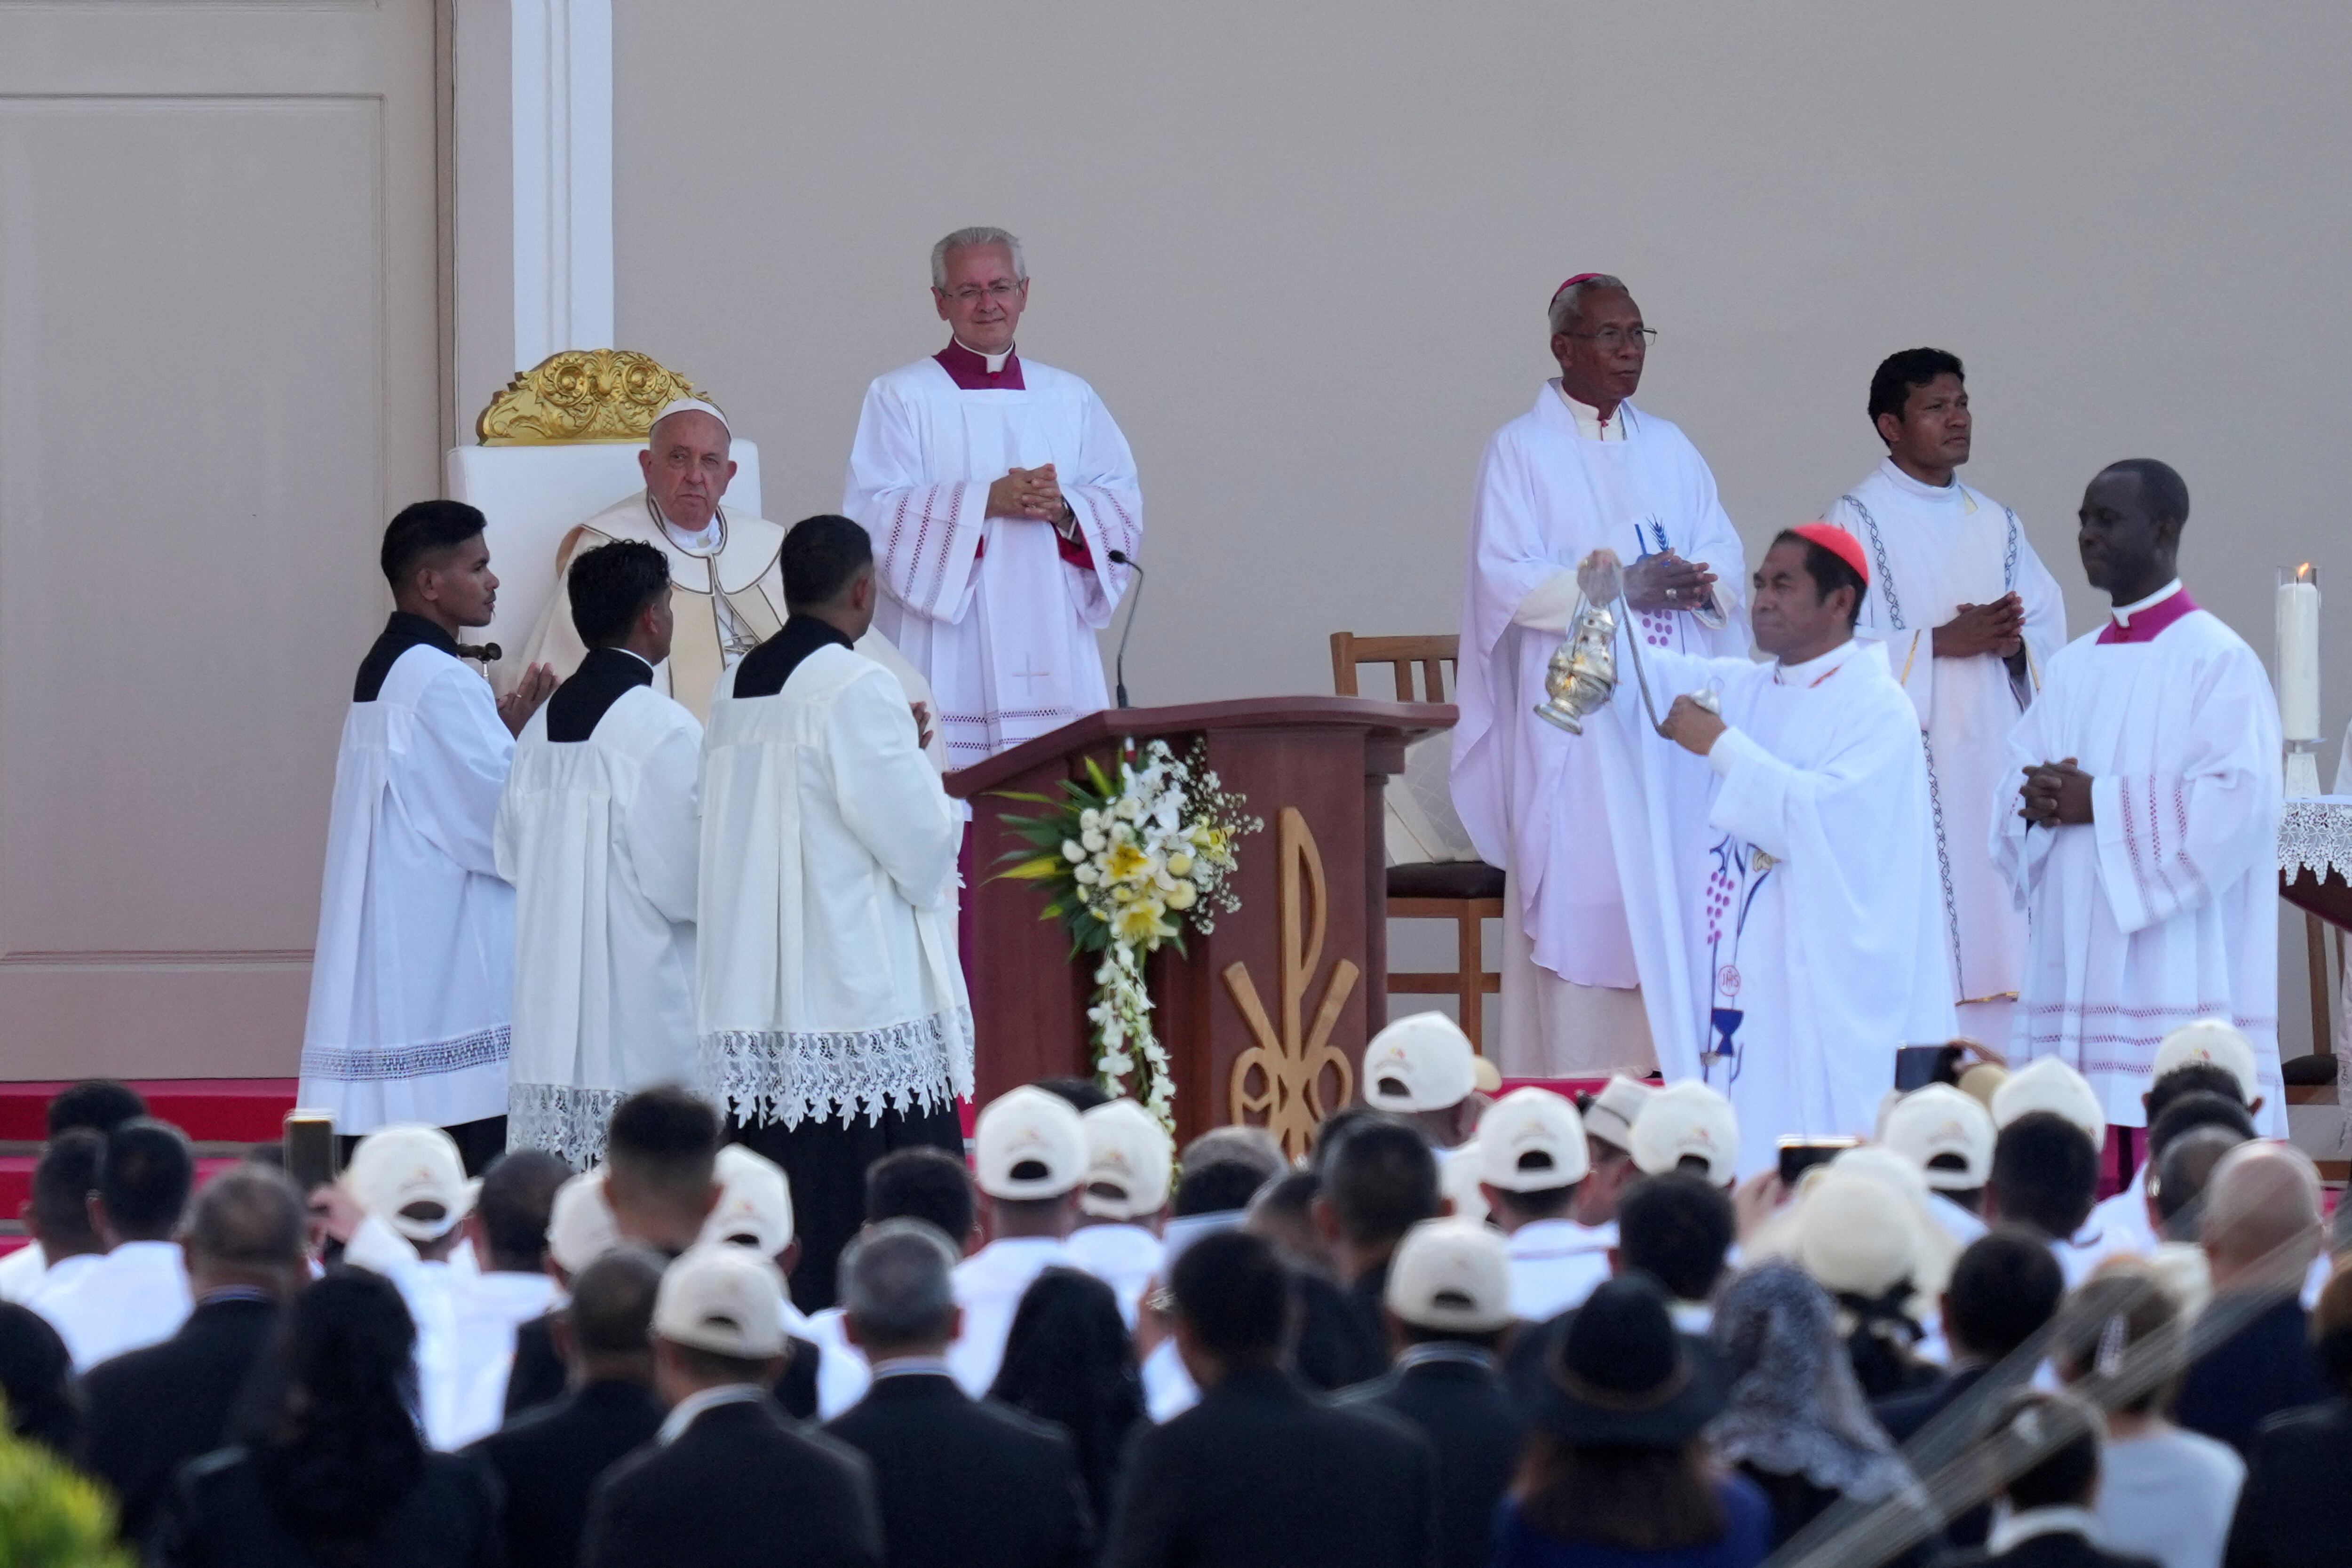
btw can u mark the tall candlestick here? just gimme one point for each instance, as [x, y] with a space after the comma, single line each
[2298, 677]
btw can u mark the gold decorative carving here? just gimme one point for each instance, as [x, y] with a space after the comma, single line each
[1290, 1065]
[583, 394]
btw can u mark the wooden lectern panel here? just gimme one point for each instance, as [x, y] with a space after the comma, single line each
[1265, 1018]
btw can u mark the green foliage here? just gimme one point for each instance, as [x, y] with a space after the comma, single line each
[50, 1516]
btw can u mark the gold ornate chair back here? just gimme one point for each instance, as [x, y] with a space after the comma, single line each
[583, 394]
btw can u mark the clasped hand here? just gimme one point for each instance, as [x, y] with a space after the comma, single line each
[2055, 795]
[1667, 582]
[1032, 493]
[1998, 628]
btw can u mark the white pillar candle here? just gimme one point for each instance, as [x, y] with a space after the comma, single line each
[2298, 661]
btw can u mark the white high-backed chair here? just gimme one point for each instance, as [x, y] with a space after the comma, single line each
[559, 444]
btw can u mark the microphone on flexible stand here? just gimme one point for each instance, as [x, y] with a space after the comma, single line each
[1121, 558]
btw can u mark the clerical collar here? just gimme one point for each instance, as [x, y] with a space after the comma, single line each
[1912, 485]
[2142, 619]
[972, 371]
[1813, 672]
[1589, 422]
[604, 678]
[766, 667]
[400, 633]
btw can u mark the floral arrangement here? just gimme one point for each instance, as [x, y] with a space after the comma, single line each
[1131, 865]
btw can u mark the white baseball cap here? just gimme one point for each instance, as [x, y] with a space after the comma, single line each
[579, 1227]
[2048, 1084]
[2211, 1041]
[1130, 1157]
[1029, 1143]
[1421, 1062]
[1532, 1141]
[722, 1298]
[1451, 1274]
[1857, 1233]
[1688, 1121]
[1458, 1179]
[406, 1165]
[755, 1202]
[1939, 1120]
[1610, 1116]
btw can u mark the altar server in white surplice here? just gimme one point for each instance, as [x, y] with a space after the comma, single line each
[996, 490]
[1970, 618]
[411, 990]
[599, 831]
[2139, 822]
[1811, 915]
[1592, 963]
[727, 591]
[833, 1019]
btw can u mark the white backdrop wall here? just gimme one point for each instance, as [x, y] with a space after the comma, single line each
[1303, 250]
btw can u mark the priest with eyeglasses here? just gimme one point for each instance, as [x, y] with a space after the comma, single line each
[1004, 507]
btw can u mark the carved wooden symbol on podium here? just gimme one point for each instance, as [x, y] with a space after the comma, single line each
[1281, 1077]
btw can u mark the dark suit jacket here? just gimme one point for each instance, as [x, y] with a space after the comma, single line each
[1904, 1415]
[549, 1459]
[2290, 1513]
[741, 1488]
[539, 1376]
[219, 1517]
[1460, 1407]
[150, 1411]
[967, 1483]
[1263, 1474]
[1337, 1348]
[2063, 1549]
[2265, 1367]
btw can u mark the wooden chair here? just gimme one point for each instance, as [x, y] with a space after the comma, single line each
[1467, 892]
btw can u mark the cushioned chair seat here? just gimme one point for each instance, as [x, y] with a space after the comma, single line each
[1446, 879]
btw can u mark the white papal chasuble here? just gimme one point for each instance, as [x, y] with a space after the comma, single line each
[1578, 822]
[1812, 911]
[1931, 551]
[411, 988]
[997, 613]
[828, 980]
[601, 837]
[2163, 908]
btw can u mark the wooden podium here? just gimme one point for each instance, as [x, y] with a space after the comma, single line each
[1265, 1018]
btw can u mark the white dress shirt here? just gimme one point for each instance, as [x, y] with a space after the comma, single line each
[1554, 1265]
[135, 1296]
[1123, 1256]
[988, 1286]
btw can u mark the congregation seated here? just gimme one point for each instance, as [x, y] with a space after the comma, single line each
[150, 1411]
[959, 1481]
[330, 1465]
[2165, 1494]
[137, 1293]
[1069, 1360]
[2260, 1231]
[1225, 1483]
[730, 1478]
[2047, 1522]
[1448, 1310]
[2291, 1511]
[95, 1105]
[1617, 1470]
[547, 1459]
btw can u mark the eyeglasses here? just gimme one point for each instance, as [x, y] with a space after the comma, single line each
[1611, 339]
[971, 293]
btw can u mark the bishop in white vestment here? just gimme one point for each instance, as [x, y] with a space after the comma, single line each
[411, 988]
[1811, 913]
[996, 490]
[1571, 819]
[833, 1019]
[599, 831]
[2139, 824]
[727, 591]
[1970, 618]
